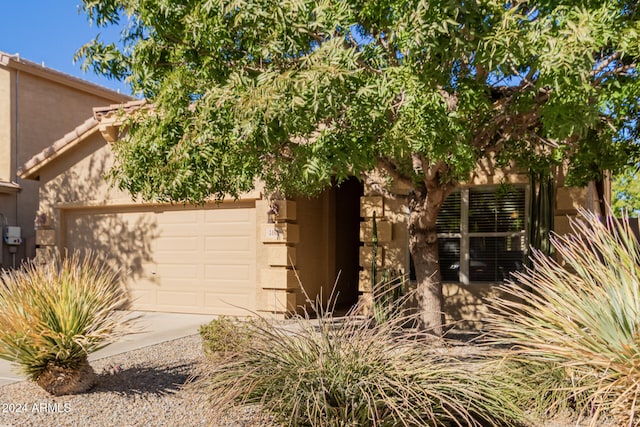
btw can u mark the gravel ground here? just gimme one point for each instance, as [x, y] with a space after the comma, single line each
[147, 387]
[144, 387]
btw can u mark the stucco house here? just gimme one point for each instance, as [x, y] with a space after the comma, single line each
[234, 256]
[37, 106]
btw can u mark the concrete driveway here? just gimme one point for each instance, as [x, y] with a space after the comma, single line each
[156, 328]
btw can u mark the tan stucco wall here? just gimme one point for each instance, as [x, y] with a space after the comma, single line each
[487, 174]
[303, 256]
[37, 107]
[49, 110]
[7, 164]
[77, 178]
[316, 249]
[6, 97]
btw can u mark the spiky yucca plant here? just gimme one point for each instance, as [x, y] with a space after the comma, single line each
[355, 371]
[53, 315]
[578, 315]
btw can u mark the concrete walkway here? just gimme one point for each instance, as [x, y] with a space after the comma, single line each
[156, 328]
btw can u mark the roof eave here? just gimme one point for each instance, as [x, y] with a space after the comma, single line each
[31, 169]
[7, 187]
[112, 117]
[17, 63]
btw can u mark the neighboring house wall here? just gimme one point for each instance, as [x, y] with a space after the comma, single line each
[37, 105]
[6, 131]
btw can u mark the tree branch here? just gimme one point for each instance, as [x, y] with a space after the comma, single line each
[386, 165]
[433, 171]
[396, 106]
[618, 71]
[352, 41]
[417, 162]
[317, 37]
[604, 64]
[528, 82]
[505, 123]
[366, 66]
[449, 98]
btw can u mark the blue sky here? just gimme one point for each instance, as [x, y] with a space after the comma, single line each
[51, 31]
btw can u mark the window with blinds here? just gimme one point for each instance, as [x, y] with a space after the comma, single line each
[481, 234]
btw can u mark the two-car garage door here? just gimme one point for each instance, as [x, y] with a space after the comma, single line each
[188, 260]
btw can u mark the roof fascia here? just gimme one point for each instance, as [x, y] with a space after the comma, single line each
[16, 63]
[31, 169]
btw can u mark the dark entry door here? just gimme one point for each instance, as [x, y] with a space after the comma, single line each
[347, 223]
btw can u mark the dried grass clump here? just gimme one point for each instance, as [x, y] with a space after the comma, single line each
[356, 371]
[576, 322]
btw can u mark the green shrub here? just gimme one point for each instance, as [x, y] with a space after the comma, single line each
[357, 372]
[388, 296]
[53, 315]
[224, 336]
[578, 320]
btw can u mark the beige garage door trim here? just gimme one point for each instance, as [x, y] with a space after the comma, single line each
[187, 260]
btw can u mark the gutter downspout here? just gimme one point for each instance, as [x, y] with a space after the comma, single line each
[14, 161]
[14, 166]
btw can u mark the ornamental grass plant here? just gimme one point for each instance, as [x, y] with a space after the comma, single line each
[318, 370]
[573, 323]
[54, 314]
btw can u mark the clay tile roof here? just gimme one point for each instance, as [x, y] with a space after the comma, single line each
[111, 117]
[117, 109]
[30, 169]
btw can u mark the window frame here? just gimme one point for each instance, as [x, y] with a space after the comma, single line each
[465, 235]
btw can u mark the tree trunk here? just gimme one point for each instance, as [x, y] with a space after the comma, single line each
[423, 246]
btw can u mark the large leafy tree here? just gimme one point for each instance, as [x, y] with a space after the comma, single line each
[305, 93]
[626, 192]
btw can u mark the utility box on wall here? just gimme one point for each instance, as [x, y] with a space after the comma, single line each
[12, 235]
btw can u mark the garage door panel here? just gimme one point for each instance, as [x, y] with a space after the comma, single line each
[227, 272]
[182, 230]
[229, 215]
[142, 297]
[145, 284]
[220, 258]
[230, 243]
[174, 244]
[225, 244]
[229, 230]
[181, 298]
[178, 271]
[188, 260]
[227, 301]
[178, 217]
[178, 257]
